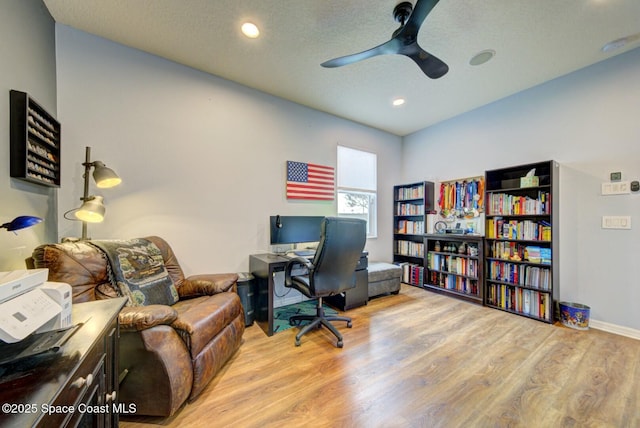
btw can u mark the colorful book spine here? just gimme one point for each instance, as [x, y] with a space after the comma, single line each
[413, 192]
[506, 204]
[527, 302]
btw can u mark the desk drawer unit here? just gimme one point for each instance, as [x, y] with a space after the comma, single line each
[82, 387]
[357, 296]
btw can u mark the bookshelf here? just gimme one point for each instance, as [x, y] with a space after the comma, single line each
[454, 265]
[34, 142]
[521, 240]
[411, 204]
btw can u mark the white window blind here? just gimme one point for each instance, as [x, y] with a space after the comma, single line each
[357, 186]
[357, 169]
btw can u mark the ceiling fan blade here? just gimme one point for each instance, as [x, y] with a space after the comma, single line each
[403, 42]
[430, 65]
[420, 11]
[390, 47]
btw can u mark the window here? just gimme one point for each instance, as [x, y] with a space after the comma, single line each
[357, 186]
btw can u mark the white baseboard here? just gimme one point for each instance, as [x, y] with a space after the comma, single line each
[615, 329]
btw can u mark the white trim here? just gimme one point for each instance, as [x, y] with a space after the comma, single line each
[615, 329]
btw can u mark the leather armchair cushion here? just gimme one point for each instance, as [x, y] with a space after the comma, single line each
[160, 372]
[202, 318]
[79, 264]
[136, 318]
[170, 260]
[207, 284]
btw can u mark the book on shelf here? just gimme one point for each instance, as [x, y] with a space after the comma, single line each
[500, 228]
[409, 248]
[514, 251]
[507, 204]
[520, 274]
[410, 227]
[527, 302]
[453, 282]
[412, 273]
[411, 192]
[545, 256]
[452, 264]
[409, 209]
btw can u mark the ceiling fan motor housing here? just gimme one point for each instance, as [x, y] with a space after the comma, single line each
[402, 12]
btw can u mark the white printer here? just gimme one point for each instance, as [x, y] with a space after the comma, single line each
[31, 304]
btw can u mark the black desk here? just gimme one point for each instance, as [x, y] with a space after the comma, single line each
[264, 266]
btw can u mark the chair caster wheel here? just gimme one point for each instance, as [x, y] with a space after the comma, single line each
[349, 324]
[297, 342]
[339, 344]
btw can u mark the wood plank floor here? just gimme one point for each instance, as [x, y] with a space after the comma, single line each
[420, 359]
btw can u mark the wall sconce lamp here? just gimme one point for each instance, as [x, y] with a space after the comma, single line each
[92, 209]
[21, 222]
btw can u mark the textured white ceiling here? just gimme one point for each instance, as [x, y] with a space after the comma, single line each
[534, 40]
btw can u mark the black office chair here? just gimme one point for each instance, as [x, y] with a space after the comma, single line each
[331, 272]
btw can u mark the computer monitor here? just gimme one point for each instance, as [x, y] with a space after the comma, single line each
[294, 229]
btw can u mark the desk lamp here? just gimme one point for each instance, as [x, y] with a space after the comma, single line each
[92, 209]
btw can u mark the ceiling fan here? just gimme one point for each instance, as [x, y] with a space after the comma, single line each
[404, 41]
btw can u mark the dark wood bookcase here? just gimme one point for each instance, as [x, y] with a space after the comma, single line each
[521, 240]
[454, 265]
[411, 204]
[34, 142]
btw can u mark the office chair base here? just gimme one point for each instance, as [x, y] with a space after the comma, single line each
[317, 321]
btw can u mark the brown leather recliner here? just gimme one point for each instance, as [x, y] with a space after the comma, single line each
[170, 353]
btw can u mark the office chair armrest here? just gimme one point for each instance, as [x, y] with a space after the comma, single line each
[295, 262]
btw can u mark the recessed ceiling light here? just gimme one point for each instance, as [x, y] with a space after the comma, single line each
[397, 102]
[250, 30]
[482, 57]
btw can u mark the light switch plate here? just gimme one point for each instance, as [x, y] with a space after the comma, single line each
[617, 188]
[616, 222]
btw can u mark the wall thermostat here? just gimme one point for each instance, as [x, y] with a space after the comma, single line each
[616, 176]
[635, 186]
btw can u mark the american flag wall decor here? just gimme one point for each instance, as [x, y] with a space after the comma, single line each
[310, 181]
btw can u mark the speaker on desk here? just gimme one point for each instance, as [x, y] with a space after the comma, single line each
[246, 292]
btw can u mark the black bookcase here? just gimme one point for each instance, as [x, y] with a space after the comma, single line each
[454, 265]
[521, 240]
[411, 204]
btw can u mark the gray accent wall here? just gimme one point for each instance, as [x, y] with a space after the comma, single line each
[27, 47]
[202, 159]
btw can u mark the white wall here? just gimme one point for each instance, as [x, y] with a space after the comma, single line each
[28, 65]
[588, 122]
[202, 159]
